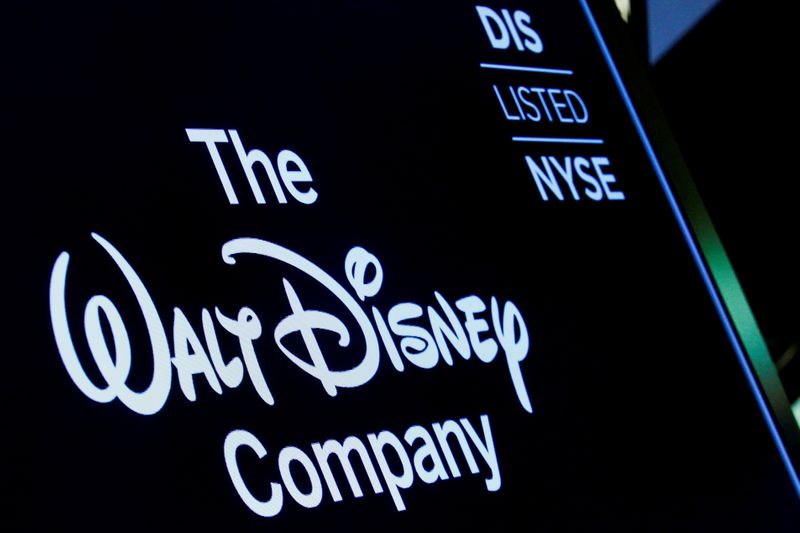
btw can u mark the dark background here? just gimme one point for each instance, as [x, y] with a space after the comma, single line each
[726, 91]
[643, 419]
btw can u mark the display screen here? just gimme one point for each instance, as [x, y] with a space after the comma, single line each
[294, 266]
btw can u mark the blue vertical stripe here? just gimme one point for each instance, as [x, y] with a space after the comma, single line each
[751, 379]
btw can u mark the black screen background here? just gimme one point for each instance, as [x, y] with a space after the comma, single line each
[642, 416]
